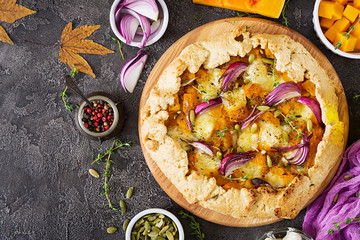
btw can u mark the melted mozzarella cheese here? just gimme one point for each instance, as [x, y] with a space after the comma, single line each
[270, 135]
[212, 85]
[301, 113]
[204, 125]
[181, 137]
[257, 73]
[206, 164]
[235, 99]
[248, 141]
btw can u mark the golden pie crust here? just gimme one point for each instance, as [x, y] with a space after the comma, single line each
[291, 58]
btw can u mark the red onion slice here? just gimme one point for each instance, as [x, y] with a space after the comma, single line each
[128, 27]
[233, 161]
[144, 23]
[130, 73]
[300, 145]
[202, 107]
[299, 155]
[154, 27]
[147, 8]
[281, 93]
[203, 148]
[314, 106]
[232, 73]
[258, 182]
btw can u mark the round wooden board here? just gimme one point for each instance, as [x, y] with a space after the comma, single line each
[205, 32]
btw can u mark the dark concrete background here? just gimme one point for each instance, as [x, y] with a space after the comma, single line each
[45, 189]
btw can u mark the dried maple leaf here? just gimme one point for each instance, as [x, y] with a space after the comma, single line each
[72, 43]
[10, 12]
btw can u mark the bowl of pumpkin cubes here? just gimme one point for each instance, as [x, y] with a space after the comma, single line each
[337, 24]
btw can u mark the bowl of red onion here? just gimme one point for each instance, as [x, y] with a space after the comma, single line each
[139, 23]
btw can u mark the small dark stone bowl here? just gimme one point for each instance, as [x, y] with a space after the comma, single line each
[114, 129]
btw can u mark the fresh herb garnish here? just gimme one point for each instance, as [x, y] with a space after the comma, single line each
[220, 133]
[205, 96]
[346, 35]
[115, 40]
[195, 17]
[231, 178]
[245, 14]
[109, 151]
[73, 71]
[293, 127]
[194, 225]
[272, 73]
[284, 13]
[356, 97]
[347, 221]
[64, 97]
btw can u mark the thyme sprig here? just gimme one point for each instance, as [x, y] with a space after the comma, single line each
[115, 40]
[246, 14]
[220, 133]
[205, 96]
[109, 151]
[274, 76]
[294, 128]
[73, 71]
[347, 221]
[231, 178]
[64, 97]
[346, 35]
[194, 225]
[284, 13]
[356, 97]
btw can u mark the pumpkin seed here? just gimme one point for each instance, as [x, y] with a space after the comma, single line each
[347, 177]
[129, 192]
[281, 164]
[125, 224]
[287, 167]
[147, 226]
[336, 198]
[263, 108]
[309, 125]
[240, 150]
[277, 113]
[219, 155]
[155, 229]
[272, 109]
[94, 173]
[268, 161]
[251, 58]
[169, 236]
[237, 127]
[133, 237]
[160, 238]
[122, 206]
[285, 136]
[111, 229]
[192, 117]
[161, 216]
[147, 237]
[254, 128]
[246, 81]
[153, 234]
[152, 218]
[176, 116]
[268, 61]
[164, 229]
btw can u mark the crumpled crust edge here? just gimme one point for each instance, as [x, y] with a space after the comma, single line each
[293, 59]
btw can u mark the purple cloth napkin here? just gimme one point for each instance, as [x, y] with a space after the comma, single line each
[322, 213]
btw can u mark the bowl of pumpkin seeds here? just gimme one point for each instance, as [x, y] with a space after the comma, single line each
[155, 224]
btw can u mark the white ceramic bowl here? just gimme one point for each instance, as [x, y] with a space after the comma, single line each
[279, 233]
[155, 210]
[322, 37]
[164, 21]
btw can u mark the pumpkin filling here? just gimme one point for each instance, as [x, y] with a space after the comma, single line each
[246, 124]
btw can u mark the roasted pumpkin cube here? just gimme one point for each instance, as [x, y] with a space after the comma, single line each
[357, 46]
[356, 4]
[331, 33]
[338, 11]
[351, 13]
[347, 45]
[342, 2]
[342, 24]
[326, 23]
[326, 9]
[356, 31]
